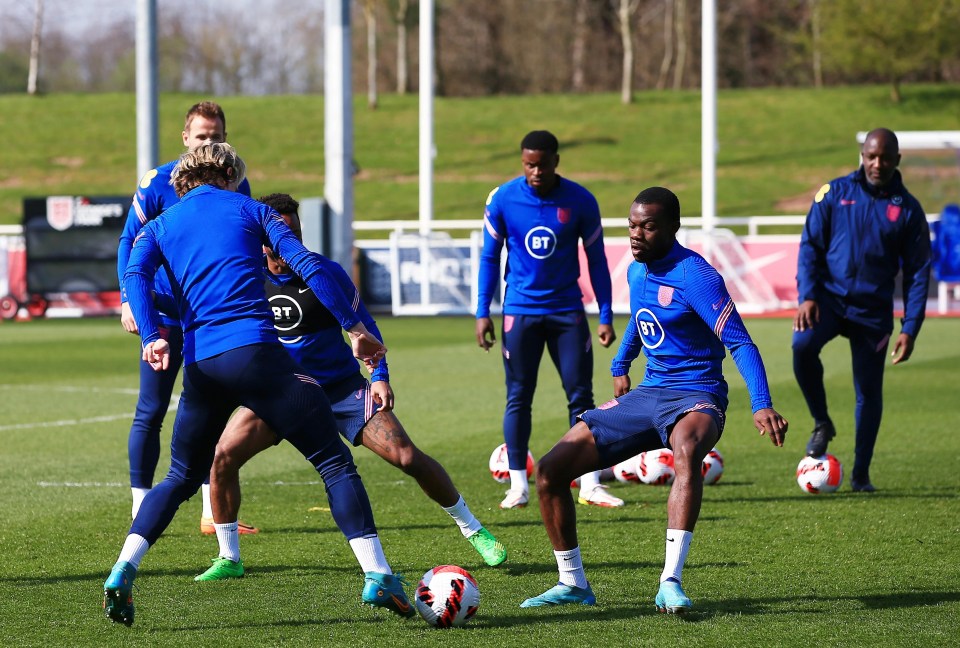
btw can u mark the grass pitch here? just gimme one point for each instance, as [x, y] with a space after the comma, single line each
[776, 146]
[770, 565]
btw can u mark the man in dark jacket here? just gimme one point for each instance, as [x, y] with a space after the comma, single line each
[861, 230]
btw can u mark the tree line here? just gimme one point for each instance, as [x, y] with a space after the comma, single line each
[495, 47]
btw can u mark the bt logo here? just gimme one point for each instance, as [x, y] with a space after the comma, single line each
[651, 332]
[287, 315]
[540, 242]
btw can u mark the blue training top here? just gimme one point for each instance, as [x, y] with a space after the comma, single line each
[310, 332]
[154, 194]
[855, 240]
[210, 245]
[542, 236]
[682, 318]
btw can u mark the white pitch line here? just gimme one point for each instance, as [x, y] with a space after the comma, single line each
[65, 422]
[70, 422]
[45, 484]
[174, 401]
[70, 389]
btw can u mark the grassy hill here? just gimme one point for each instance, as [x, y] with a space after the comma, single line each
[776, 145]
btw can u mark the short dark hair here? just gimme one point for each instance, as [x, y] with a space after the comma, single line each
[207, 109]
[663, 197]
[282, 203]
[540, 140]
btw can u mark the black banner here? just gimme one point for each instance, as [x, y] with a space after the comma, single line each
[71, 242]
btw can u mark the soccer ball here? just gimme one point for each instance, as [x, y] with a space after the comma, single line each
[820, 474]
[656, 466]
[626, 471]
[712, 467]
[500, 466]
[447, 596]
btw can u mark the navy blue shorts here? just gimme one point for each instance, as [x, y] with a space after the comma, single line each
[352, 404]
[643, 418]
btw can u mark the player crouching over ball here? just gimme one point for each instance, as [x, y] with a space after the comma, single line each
[682, 404]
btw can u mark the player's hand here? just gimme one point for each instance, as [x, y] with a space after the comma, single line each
[606, 334]
[903, 348]
[486, 338]
[382, 395]
[126, 318]
[769, 422]
[366, 347]
[157, 355]
[621, 385]
[808, 315]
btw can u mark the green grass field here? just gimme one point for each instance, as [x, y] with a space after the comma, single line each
[776, 145]
[770, 565]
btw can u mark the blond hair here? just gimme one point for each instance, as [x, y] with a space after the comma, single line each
[211, 164]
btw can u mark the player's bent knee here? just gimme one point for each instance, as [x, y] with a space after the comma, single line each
[410, 460]
[552, 473]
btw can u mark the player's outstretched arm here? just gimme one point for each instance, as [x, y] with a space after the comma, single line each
[769, 422]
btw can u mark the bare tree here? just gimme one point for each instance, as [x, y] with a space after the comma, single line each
[625, 9]
[667, 60]
[35, 49]
[680, 25]
[579, 47]
[817, 53]
[370, 16]
[401, 16]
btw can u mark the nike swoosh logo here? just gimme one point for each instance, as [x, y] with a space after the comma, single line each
[670, 539]
[717, 305]
[302, 290]
[403, 606]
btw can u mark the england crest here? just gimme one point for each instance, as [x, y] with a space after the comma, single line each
[60, 212]
[665, 295]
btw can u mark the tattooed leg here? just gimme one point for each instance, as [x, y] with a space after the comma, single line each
[385, 437]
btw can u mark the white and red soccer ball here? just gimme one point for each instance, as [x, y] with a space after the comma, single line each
[500, 465]
[447, 596]
[656, 466]
[712, 468]
[626, 471]
[820, 474]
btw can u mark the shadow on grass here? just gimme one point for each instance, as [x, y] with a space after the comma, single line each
[603, 612]
[822, 605]
[847, 496]
[514, 568]
[807, 153]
